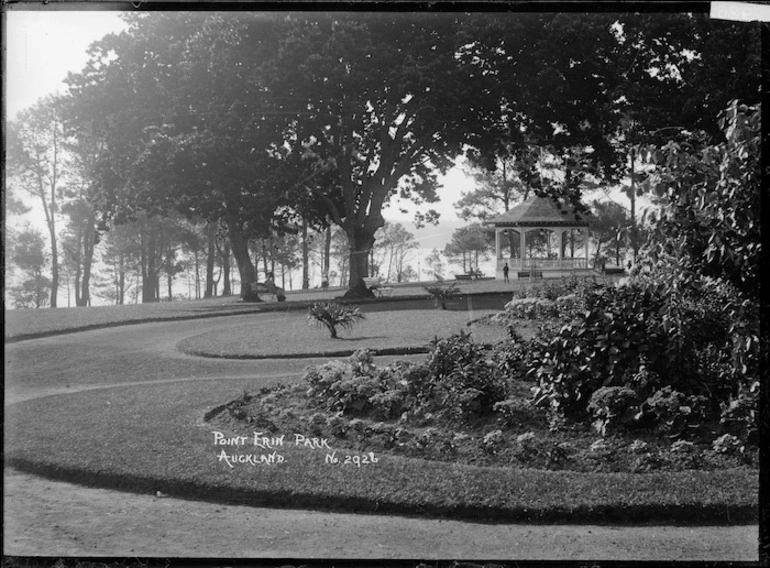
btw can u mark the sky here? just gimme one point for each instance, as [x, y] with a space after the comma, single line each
[43, 46]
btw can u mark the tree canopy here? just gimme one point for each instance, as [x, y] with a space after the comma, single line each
[267, 122]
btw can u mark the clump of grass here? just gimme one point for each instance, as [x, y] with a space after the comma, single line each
[332, 315]
[441, 294]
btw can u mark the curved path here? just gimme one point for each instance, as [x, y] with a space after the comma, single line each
[55, 518]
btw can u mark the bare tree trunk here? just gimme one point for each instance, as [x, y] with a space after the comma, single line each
[89, 242]
[211, 253]
[226, 286]
[327, 254]
[305, 257]
[197, 276]
[54, 262]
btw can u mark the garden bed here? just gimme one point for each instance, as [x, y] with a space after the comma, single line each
[516, 435]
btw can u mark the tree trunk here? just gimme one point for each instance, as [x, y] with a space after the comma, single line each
[634, 232]
[197, 276]
[305, 257]
[226, 286]
[77, 289]
[240, 247]
[210, 258]
[361, 243]
[121, 280]
[264, 257]
[88, 255]
[327, 255]
[54, 263]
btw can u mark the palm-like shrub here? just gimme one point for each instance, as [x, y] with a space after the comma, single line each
[441, 294]
[332, 315]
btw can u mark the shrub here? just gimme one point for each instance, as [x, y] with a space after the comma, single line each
[739, 415]
[493, 441]
[692, 333]
[727, 444]
[509, 356]
[515, 412]
[332, 315]
[459, 379]
[684, 455]
[596, 349]
[441, 294]
[673, 412]
[355, 385]
[531, 308]
[613, 407]
[647, 461]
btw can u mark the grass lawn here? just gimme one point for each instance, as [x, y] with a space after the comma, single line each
[21, 324]
[153, 438]
[24, 324]
[288, 334]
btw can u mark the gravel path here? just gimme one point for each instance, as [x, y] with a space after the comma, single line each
[43, 517]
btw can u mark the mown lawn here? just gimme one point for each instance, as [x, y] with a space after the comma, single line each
[153, 438]
[21, 324]
[289, 334]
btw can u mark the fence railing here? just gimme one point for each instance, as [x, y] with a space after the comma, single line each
[544, 264]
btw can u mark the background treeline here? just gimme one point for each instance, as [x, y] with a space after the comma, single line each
[218, 144]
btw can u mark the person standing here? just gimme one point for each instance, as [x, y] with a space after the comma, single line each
[505, 273]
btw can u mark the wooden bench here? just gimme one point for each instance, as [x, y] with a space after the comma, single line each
[530, 274]
[261, 288]
[475, 275]
[375, 286]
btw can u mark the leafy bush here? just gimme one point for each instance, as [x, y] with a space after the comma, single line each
[613, 407]
[600, 347]
[739, 415]
[517, 412]
[332, 315]
[694, 334]
[354, 386]
[727, 444]
[553, 289]
[674, 413]
[709, 195]
[531, 308]
[460, 379]
[509, 356]
[441, 294]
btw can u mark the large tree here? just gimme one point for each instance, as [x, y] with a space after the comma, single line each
[384, 102]
[36, 165]
[467, 244]
[609, 227]
[78, 244]
[397, 243]
[178, 98]
[28, 254]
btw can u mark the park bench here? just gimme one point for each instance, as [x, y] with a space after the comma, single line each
[261, 288]
[475, 274]
[375, 286]
[530, 274]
